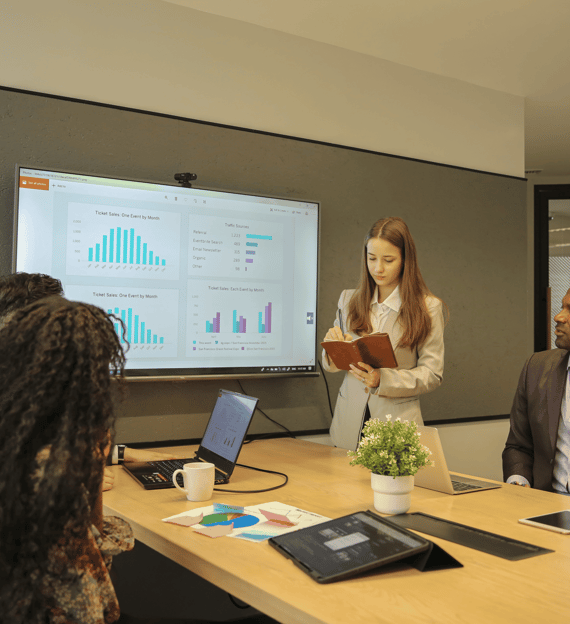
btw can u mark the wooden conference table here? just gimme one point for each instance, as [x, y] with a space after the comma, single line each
[487, 589]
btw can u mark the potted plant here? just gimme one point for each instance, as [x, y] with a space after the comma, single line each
[392, 451]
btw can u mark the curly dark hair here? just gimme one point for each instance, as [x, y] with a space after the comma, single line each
[20, 289]
[57, 359]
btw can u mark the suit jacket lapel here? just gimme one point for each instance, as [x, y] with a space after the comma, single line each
[555, 392]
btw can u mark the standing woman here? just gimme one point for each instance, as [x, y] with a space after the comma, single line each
[57, 358]
[392, 297]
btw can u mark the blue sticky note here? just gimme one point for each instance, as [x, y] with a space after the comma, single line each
[257, 537]
[221, 508]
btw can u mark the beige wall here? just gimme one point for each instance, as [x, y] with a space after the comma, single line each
[160, 57]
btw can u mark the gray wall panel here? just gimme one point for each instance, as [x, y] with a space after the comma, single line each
[470, 229]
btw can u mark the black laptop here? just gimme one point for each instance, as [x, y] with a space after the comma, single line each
[221, 444]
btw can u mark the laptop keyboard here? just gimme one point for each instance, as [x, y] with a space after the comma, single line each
[459, 486]
[167, 468]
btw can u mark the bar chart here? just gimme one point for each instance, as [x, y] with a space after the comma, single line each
[150, 317]
[131, 251]
[135, 329]
[226, 315]
[213, 326]
[111, 242]
[239, 323]
[252, 242]
[235, 248]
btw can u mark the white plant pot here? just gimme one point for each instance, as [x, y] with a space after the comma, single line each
[392, 495]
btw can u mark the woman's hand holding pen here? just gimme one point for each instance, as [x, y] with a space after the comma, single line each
[366, 374]
[335, 333]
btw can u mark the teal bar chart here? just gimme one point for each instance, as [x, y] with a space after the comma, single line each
[105, 252]
[136, 330]
[105, 242]
[149, 317]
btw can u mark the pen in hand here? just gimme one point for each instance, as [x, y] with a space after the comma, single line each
[337, 333]
[345, 337]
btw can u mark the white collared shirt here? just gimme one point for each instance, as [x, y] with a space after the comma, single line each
[379, 311]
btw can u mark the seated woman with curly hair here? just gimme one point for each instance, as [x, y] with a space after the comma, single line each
[57, 358]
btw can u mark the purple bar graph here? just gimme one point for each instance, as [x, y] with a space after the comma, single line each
[239, 323]
[214, 326]
[268, 318]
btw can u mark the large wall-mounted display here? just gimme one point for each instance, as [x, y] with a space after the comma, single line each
[206, 283]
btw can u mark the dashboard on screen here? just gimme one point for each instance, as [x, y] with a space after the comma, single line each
[207, 283]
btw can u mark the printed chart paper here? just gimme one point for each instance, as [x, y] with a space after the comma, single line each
[255, 523]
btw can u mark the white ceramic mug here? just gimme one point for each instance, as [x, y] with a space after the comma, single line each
[198, 480]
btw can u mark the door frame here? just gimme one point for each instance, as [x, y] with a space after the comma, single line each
[543, 193]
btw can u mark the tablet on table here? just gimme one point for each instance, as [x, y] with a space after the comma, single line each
[340, 548]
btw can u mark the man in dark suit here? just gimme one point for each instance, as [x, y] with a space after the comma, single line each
[537, 451]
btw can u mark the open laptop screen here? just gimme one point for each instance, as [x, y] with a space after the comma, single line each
[228, 424]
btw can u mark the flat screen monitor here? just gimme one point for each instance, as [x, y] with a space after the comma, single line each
[208, 283]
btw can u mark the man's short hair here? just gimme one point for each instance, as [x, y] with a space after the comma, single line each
[19, 289]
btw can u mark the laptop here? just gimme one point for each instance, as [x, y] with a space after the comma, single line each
[437, 477]
[221, 444]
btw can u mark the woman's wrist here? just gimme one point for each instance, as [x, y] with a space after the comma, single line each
[374, 389]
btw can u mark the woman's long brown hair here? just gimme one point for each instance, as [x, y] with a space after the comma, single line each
[414, 316]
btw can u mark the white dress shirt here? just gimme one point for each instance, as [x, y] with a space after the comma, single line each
[379, 312]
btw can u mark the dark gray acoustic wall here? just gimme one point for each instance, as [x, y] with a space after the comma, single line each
[469, 227]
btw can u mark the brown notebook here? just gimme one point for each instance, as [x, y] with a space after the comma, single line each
[375, 350]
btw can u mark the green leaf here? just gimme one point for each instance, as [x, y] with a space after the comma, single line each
[391, 448]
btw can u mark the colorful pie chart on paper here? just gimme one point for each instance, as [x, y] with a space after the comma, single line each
[238, 520]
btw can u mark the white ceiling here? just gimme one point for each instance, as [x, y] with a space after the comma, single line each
[520, 47]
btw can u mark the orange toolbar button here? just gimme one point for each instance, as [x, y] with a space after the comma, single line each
[40, 184]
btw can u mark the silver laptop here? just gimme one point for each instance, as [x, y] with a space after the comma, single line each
[437, 477]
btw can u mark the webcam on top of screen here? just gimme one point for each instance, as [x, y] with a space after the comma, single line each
[185, 178]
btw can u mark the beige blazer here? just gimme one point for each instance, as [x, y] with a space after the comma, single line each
[419, 371]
